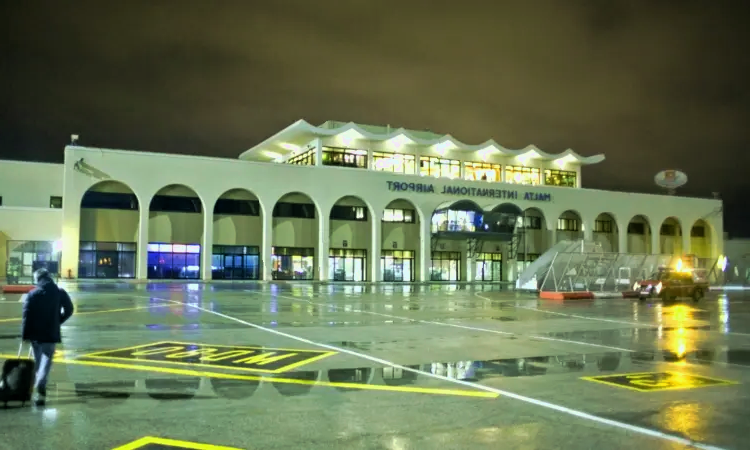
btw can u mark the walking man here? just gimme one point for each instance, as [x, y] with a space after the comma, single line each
[45, 309]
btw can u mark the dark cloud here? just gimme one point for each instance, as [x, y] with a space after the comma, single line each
[652, 85]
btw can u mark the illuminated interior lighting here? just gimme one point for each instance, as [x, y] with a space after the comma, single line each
[399, 141]
[444, 147]
[348, 137]
[290, 147]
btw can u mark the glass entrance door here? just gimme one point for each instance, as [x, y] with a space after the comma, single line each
[347, 264]
[489, 267]
[397, 265]
[24, 257]
[445, 266]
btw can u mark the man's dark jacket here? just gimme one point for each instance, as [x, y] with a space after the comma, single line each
[45, 309]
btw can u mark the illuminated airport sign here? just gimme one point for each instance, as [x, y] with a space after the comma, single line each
[250, 359]
[463, 191]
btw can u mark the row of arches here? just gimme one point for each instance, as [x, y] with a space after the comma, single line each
[177, 221]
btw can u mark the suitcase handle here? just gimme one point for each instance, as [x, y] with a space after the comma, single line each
[20, 349]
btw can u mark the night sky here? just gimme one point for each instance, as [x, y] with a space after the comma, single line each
[659, 86]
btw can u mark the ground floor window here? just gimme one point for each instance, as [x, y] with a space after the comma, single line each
[235, 262]
[523, 260]
[106, 259]
[174, 261]
[347, 264]
[397, 265]
[489, 267]
[446, 266]
[292, 263]
[24, 257]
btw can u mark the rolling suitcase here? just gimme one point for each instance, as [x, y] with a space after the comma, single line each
[17, 379]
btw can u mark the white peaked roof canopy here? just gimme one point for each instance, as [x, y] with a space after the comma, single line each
[296, 136]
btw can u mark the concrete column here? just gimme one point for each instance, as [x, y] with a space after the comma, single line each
[207, 244]
[265, 250]
[622, 239]
[324, 244]
[142, 254]
[588, 229]
[425, 251]
[686, 247]
[373, 257]
[318, 152]
[655, 242]
[71, 234]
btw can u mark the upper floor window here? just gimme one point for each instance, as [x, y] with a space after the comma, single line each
[294, 210]
[55, 202]
[429, 166]
[668, 229]
[481, 171]
[394, 162]
[636, 228]
[565, 178]
[694, 232]
[603, 226]
[235, 207]
[303, 159]
[532, 223]
[343, 212]
[451, 220]
[522, 175]
[398, 215]
[344, 157]
[568, 224]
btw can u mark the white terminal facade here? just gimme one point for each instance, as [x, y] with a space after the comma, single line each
[336, 202]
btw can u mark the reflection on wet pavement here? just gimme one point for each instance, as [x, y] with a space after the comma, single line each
[439, 339]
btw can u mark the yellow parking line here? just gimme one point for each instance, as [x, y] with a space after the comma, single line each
[226, 376]
[86, 313]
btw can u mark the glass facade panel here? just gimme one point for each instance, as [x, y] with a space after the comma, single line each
[398, 215]
[292, 263]
[482, 171]
[566, 178]
[450, 220]
[446, 266]
[174, 261]
[235, 262]
[489, 267]
[430, 166]
[522, 175]
[344, 157]
[24, 257]
[394, 162]
[106, 259]
[397, 265]
[345, 264]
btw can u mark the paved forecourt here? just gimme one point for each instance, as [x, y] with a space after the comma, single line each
[345, 366]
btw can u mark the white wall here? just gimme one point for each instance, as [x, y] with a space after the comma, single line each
[147, 173]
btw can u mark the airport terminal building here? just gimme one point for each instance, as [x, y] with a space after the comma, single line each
[340, 202]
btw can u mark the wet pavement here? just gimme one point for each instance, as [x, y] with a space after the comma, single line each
[276, 366]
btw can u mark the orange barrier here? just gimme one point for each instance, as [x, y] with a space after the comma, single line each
[549, 295]
[18, 288]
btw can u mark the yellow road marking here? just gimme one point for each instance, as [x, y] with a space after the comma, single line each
[98, 312]
[142, 442]
[226, 376]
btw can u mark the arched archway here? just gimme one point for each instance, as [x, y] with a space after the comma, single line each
[453, 224]
[400, 234]
[670, 237]
[237, 236]
[350, 234]
[639, 235]
[108, 231]
[175, 230]
[701, 243]
[606, 233]
[295, 238]
[569, 226]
